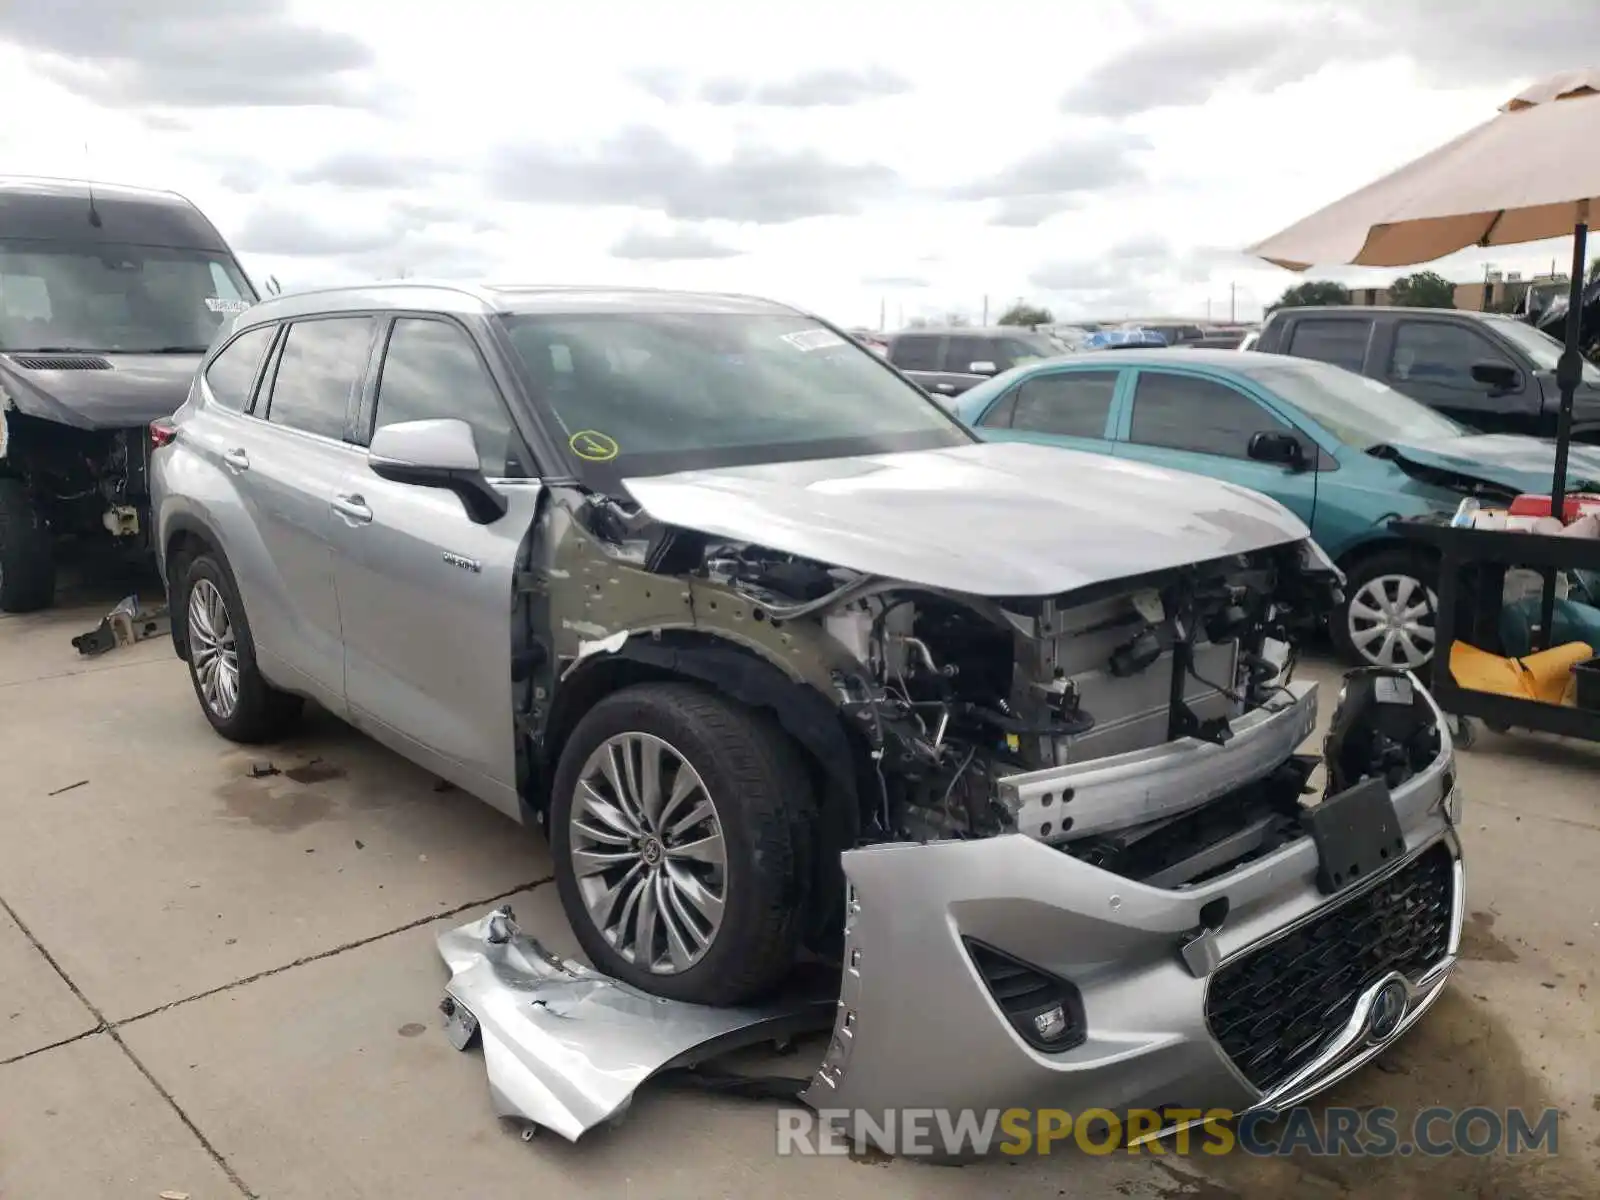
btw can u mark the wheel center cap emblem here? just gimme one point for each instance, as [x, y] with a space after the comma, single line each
[650, 851]
[1388, 1010]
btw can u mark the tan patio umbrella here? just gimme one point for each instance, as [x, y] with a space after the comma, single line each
[1524, 176]
[1533, 172]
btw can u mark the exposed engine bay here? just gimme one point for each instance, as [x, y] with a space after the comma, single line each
[84, 481]
[954, 694]
[961, 709]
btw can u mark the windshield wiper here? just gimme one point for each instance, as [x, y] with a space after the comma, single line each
[55, 350]
[118, 350]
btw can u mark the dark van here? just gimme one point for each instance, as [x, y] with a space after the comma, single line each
[108, 298]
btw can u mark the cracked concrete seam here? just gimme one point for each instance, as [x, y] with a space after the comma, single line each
[111, 1027]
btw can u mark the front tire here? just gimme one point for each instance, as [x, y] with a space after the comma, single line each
[238, 701]
[680, 827]
[1390, 612]
[27, 558]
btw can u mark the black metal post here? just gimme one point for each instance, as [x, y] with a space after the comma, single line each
[1569, 370]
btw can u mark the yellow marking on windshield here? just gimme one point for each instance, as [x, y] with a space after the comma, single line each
[593, 447]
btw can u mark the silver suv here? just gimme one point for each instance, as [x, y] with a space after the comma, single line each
[782, 658]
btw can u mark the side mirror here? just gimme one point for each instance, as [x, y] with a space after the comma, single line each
[1497, 376]
[1280, 448]
[440, 454]
[982, 368]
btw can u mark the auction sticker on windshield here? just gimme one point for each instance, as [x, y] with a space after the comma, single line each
[221, 304]
[593, 447]
[813, 339]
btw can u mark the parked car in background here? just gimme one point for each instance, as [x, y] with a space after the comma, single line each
[946, 362]
[1117, 339]
[1345, 454]
[1218, 339]
[1490, 372]
[108, 297]
[1173, 333]
[788, 663]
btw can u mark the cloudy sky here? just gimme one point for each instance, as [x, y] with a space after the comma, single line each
[1104, 157]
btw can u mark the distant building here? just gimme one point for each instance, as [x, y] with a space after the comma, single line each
[1500, 291]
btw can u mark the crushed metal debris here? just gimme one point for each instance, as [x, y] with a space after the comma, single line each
[127, 623]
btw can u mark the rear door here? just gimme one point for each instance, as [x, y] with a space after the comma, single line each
[1342, 341]
[1199, 423]
[918, 355]
[1073, 408]
[958, 353]
[426, 594]
[286, 467]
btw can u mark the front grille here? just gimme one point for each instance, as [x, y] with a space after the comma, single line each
[60, 362]
[1274, 1009]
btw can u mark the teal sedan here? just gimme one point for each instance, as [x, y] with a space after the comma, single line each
[1346, 454]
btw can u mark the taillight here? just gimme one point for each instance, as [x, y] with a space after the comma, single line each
[162, 433]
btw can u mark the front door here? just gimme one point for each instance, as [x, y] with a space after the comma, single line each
[1196, 423]
[1432, 361]
[426, 594]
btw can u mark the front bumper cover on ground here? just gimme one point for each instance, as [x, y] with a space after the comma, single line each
[566, 1047]
[1162, 987]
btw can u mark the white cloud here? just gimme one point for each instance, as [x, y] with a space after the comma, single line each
[864, 156]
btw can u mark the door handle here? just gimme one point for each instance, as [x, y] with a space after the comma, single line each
[352, 507]
[946, 388]
[237, 459]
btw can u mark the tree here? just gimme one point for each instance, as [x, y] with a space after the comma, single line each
[1594, 271]
[1425, 289]
[1026, 314]
[1312, 292]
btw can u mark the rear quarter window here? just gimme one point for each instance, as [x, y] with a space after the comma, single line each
[232, 373]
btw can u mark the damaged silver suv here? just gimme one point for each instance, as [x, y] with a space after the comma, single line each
[788, 664]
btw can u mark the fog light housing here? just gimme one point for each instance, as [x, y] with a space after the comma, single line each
[1044, 1009]
[1051, 1024]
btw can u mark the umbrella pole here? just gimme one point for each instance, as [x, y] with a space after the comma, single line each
[1568, 372]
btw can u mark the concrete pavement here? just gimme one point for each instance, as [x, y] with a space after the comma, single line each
[223, 983]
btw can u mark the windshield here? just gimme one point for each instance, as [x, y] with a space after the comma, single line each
[1538, 345]
[1031, 347]
[1360, 412]
[652, 393]
[109, 298]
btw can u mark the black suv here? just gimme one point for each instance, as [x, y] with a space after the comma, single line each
[1492, 373]
[946, 362]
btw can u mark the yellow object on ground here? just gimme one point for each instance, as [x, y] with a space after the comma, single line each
[1545, 676]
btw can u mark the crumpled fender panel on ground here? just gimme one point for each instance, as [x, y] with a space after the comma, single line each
[566, 1047]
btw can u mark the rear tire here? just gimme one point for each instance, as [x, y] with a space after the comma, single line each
[27, 558]
[238, 701]
[746, 861]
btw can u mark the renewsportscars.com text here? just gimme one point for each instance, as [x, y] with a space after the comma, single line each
[1338, 1132]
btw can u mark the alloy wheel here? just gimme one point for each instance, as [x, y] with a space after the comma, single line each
[1390, 619]
[213, 649]
[648, 853]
